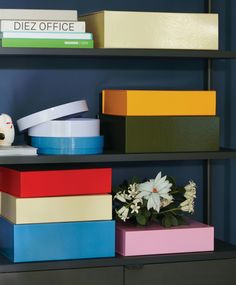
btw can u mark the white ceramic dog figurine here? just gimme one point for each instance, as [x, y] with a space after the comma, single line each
[7, 131]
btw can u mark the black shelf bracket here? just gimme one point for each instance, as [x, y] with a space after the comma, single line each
[208, 196]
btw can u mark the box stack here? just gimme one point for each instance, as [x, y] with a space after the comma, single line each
[56, 214]
[54, 136]
[34, 28]
[137, 121]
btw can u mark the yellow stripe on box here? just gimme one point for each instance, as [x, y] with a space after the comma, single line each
[158, 103]
[56, 209]
[131, 29]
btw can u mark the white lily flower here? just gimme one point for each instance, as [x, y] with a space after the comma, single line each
[166, 202]
[123, 213]
[190, 195]
[138, 200]
[187, 206]
[132, 190]
[135, 208]
[191, 186]
[120, 196]
[126, 196]
[190, 192]
[153, 190]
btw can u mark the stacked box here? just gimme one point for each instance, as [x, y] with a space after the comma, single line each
[56, 214]
[135, 121]
[52, 136]
[157, 30]
[72, 136]
[191, 237]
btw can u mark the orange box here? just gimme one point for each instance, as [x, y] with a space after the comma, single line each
[158, 103]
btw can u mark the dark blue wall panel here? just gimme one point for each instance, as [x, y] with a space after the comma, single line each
[95, 5]
[224, 82]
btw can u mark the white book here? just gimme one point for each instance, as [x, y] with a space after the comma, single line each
[69, 36]
[38, 14]
[17, 150]
[41, 26]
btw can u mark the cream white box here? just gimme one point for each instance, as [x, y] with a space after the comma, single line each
[38, 14]
[56, 209]
[126, 29]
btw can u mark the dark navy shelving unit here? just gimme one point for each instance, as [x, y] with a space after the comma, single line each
[207, 268]
[122, 158]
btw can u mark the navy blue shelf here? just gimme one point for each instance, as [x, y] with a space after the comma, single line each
[114, 52]
[222, 251]
[118, 157]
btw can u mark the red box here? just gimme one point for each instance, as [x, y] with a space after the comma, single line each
[44, 183]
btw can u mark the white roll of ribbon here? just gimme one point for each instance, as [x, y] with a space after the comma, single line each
[76, 127]
[52, 114]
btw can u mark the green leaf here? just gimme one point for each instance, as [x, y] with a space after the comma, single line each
[141, 220]
[166, 221]
[154, 219]
[181, 220]
[134, 179]
[170, 220]
[174, 221]
[144, 203]
[146, 214]
[178, 213]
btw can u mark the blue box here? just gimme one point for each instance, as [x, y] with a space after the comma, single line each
[57, 241]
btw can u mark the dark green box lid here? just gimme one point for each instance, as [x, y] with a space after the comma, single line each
[160, 134]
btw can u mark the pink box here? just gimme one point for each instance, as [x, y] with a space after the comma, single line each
[155, 239]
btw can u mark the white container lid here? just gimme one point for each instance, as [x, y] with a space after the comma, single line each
[76, 127]
[52, 114]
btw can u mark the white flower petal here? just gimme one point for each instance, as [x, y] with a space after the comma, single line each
[119, 197]
[157, 202]
[146, 186]
[162, 185]
[142, 194]
[162, 180]
[150, 203]
[166, 196]
[121, 210]
[164, 191]
[158, 176]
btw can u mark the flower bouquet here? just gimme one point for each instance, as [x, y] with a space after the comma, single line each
[156, 200]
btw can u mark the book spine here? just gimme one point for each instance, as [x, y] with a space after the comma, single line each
[42, 26]
[42, 35]
[39, 14]
[46, 43]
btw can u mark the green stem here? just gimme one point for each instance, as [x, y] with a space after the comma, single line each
[170, 210]
[173, 192]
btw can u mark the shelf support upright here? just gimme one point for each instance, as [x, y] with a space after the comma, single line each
[208, 162]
